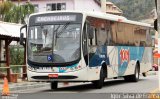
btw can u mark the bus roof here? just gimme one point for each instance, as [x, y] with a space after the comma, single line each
[101, 15]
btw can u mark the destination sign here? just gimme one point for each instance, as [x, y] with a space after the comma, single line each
[58, 18]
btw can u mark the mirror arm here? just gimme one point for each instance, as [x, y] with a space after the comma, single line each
[24, 26]
[22, 35]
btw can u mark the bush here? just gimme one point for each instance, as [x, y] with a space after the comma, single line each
[16, 57]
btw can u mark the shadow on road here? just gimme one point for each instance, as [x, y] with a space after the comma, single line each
[89, 86]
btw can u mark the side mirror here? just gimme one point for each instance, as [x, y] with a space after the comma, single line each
[21, 38]
[91, 33]
[22, 34]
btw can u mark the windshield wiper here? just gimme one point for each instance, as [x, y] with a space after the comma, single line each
[63, 29]
[56, 33]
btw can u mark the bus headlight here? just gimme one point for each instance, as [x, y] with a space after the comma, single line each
[31, 68]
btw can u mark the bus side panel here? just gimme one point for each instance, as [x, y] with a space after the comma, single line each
[121, 61]
[146, 63]
[112, 68]
[128, 57]
[97, 55]
[93, 73]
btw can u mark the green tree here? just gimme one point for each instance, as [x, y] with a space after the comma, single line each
[5, 7]
[26, 10]
[135, 9]
[15, 13]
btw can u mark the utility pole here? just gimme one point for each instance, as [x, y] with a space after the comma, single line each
[158, 29]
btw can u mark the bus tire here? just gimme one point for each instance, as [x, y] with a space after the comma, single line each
[98, 84]
[135, 76]
[54, 85]
[127, 78]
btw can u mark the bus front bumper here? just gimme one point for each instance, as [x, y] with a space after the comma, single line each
[80, 75]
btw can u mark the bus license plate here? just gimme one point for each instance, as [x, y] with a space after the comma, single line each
[53, 75]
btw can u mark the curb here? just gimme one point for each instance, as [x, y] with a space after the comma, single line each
[27, 86]
[152, 73]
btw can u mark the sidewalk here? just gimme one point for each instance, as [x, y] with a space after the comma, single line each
[152, 73]
[24, 85]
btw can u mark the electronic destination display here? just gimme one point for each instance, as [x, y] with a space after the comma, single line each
[59, 18]
[55, 18]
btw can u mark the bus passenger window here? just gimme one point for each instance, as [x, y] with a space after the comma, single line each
[88, 32]
[95, 35]
[93, 40]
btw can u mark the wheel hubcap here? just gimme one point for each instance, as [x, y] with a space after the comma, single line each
[137, 74]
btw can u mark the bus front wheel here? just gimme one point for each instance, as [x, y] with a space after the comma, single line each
[99, 83]
[54, 85]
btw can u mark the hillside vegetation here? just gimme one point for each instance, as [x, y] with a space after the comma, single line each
[135, 9]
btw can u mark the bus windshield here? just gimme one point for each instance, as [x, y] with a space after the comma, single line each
[57, 43]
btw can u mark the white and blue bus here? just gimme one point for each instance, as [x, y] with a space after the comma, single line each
[70, 46]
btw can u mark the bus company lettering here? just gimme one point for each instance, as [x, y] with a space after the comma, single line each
[124, 55]
[60, 18]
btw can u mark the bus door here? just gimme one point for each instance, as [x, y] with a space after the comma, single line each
[84, 44]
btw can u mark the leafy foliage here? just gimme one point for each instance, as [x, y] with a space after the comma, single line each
[5, 8]
[135, 9]
[10, 12]
[17, 55]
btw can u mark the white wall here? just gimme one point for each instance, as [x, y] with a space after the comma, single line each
[82, 5]
[86, 5]
[42, 4]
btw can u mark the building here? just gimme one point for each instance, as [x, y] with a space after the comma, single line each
[81, 5]
[150, 20]
[53, 5]
[110, 8]
[113, 9]
[9, 32]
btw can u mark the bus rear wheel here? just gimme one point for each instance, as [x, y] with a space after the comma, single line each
[136, 74]
[99, 83]
[134, 77]
[54, 85]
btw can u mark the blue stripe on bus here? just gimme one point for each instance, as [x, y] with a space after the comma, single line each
[99, 56]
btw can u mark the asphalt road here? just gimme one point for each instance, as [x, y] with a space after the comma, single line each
[112, 89]
[144, 85]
